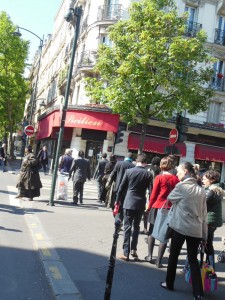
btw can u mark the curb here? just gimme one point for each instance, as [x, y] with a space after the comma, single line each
[60, 281]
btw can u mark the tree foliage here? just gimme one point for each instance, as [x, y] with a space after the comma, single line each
[13, 86]
[152, 69]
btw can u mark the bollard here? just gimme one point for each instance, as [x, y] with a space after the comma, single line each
[112, 260]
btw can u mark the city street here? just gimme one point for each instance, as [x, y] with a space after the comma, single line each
[71, 245]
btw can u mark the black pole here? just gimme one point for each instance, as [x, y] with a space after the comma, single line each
[77, 13]
[112, 260]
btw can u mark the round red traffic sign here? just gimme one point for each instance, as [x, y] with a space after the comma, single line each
[173, 136]
[29, 130]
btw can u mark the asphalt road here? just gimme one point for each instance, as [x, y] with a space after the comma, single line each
[80, 240]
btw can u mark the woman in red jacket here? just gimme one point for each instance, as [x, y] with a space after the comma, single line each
[164, 183]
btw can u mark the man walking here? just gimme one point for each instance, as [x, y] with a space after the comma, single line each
[117, 176]
[65, 161]
[3, 156]
[43, 157]
[135, 181]
[80, 171]
[99, 173]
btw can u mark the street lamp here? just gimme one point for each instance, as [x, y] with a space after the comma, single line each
[77, 12]
[34, 91]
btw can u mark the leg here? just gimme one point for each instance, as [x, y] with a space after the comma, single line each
[137, 215]
[210, 249]
[81, 191]
[128, 220]
[176, 245]
[75, 191]
[151, 244]
[99, 186]
[192, 252]
[161, 251]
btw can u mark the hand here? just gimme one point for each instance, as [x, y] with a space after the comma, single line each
[69, 178]
[147, 210]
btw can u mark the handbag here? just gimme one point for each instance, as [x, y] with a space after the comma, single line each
[162, 223]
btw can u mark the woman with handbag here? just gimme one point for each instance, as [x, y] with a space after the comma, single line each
[214, 197]
[163, 184]
[189, 223]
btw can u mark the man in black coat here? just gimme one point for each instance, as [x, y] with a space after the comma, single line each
[117, 176]
[3, 156]
[135, 182]
[81, 171]
[99, 173]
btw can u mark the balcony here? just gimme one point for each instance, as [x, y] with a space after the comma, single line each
[110, 12]
[88, 59]
[217, 82]
[219, 37]
[192, 29]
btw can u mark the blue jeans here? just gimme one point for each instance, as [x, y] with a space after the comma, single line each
[132, 218]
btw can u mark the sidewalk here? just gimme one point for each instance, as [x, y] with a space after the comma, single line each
[75, 243]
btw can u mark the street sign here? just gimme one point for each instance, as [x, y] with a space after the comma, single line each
[29, 130]
[173, 136]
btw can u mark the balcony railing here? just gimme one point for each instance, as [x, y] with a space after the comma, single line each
[88, 58]
[219, 37]
[192, 29]
[110, 12]
[217, 83]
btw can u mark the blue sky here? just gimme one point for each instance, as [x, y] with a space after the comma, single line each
[34, 15]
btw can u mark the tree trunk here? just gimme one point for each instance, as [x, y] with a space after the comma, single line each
[142, 138]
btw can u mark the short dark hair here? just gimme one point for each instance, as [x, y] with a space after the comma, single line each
[112, 157]
[142, 158]
[212, 175]
[104, 155]
[156, 161]
[81, 153]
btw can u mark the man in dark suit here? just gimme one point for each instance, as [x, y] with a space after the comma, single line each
[135, 181]
[99, 173]
[3, 156]
[81, 171]
[117, 176]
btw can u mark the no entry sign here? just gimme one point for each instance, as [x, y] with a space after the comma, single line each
[173, 136]
[29, 130]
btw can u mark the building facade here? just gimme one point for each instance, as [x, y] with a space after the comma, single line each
[92, 127]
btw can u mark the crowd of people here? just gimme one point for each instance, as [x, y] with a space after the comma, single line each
[140, 190]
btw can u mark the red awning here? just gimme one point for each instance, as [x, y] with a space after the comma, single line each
[78, 119]
[210, 153]
[153, 144]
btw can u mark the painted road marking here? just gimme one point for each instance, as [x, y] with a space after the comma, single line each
[39, 236]
[55, 273]
[46, 252]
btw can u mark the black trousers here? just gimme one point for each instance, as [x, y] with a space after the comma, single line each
[78, 189]
[210, 249]
[193, 243]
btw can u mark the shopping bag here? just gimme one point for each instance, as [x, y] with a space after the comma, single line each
[209, 278]
[62, 187]
[161, 224]
[187, 273]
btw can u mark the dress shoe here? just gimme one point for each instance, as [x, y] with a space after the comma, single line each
[30, 199]
[18, 196]
[134, 253]
[123, 257]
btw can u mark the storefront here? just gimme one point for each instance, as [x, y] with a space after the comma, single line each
[90, 130]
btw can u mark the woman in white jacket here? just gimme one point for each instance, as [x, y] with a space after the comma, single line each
[189, 223]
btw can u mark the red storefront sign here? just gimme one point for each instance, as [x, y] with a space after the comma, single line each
[78, 119]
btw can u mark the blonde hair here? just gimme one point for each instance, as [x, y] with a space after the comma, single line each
[166, 163]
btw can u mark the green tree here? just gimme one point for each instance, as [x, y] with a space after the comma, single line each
[13, 86]
[152, 69]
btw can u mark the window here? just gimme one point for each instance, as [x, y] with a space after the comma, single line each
[214, 112]
[106, 41]
[192, 26]
[218, 77]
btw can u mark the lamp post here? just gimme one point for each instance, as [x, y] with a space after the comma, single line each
[34, 91]
[77, 12]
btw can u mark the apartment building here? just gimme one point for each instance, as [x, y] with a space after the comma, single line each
[92, 127]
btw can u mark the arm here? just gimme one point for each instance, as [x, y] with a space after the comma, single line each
[176, 194]
[96, 171]
[72, 168]
[88, 171]
[122, 187]
[210, 199]
[154, 193]
[204, 221]
[114, 172]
